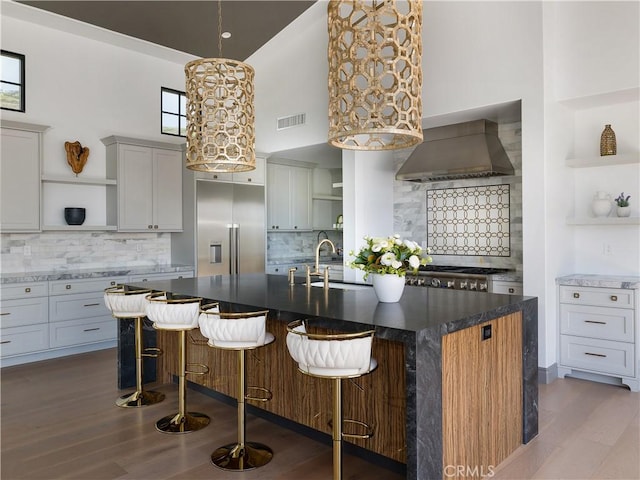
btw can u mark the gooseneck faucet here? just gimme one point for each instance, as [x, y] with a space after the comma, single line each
[316, 271]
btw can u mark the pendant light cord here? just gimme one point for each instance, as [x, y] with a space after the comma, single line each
[219, 28]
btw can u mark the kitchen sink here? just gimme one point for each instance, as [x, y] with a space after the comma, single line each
[342, 286]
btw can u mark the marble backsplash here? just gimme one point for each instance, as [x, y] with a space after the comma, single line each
[282, 246]
[410, 205]
[60, 251]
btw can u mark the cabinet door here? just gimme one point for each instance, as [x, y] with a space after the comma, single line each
[278, 196]
[135, 188]
[482, 393]
[300, 201]
[167, 188]
[254, 177]
[20, 181]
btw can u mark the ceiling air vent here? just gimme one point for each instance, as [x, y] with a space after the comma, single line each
[291, 121]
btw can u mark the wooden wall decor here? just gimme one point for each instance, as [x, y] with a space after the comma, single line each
[77, 156]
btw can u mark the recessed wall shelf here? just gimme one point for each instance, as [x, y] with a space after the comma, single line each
[85, 228]
[603, 221]
[78, 180]
[605, 161]
[334, 198]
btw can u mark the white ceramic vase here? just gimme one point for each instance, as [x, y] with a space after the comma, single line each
[601, 204]
[388, 287]
[623, 211]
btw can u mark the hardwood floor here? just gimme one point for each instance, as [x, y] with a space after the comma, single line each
[59, 421]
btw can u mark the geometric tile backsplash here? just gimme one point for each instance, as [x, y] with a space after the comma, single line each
[469, 221]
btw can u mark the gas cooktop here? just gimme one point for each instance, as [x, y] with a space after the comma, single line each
[462, 270]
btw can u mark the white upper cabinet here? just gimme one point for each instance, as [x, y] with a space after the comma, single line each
[288, 197]
[20, 160]
[253, 177]
[149, 184]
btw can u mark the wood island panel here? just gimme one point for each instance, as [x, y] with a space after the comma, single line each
[481, 397]
[378, 399]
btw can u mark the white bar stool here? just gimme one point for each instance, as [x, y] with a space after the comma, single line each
[333, 356]
[240, 332]
[124, 302]
[178, 313]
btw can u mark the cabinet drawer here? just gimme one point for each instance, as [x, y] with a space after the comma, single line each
[75, 332]
[509, 288]
[24, 290]
[27, 311]
[602, 356]
[597, 322]
[83, 305]
[17, 340]
[605, 297]
[64, 287]
[160, 276]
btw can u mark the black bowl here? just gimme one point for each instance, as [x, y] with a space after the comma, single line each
[74, 215]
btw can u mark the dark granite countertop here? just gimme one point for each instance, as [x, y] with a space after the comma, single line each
[418, 309]
[50, 275]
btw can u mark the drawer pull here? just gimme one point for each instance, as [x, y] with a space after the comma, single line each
[91, 329]
[27, 290]
[576, 295]
[68, 287]
[595, 354]
[614, 298]
[91, 304]
[5, 313]
[595, 321]
[5, 341]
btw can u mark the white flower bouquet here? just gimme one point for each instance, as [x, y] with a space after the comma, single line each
[390, 255]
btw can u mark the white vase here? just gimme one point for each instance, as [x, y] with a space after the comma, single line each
[623, 211]
[388, 287]
[601, 204]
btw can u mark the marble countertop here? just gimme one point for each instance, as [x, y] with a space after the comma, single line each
[507, 277]
[44, 276]
[603, 281]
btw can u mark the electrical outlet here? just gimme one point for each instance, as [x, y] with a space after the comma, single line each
[607, 249]
[138, 247]
[27, 250]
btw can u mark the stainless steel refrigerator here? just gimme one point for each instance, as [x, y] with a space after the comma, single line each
[231, 228]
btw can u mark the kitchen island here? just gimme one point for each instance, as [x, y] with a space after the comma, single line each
[456, 386]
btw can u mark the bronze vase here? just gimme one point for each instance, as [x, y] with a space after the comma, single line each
[608, 141]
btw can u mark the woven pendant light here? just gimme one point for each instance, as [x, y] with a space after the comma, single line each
[375, 74]
[220, 113]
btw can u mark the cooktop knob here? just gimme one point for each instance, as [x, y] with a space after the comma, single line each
[435, 282]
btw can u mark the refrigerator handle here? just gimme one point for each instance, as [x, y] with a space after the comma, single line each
[234, 253]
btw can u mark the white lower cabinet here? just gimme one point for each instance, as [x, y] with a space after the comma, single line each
[77, 313]
[24, 318]
[40, 320]
[152, 277]
[85, 330]
[598, 333]
[506, 287]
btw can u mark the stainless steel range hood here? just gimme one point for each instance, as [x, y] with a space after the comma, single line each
[464, 150]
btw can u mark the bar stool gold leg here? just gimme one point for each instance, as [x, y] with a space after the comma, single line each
[183, 421]
[241, 456]
[336, 431]
[140, 397]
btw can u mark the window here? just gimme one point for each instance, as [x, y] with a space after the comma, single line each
[12, 82]
[174, 112]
